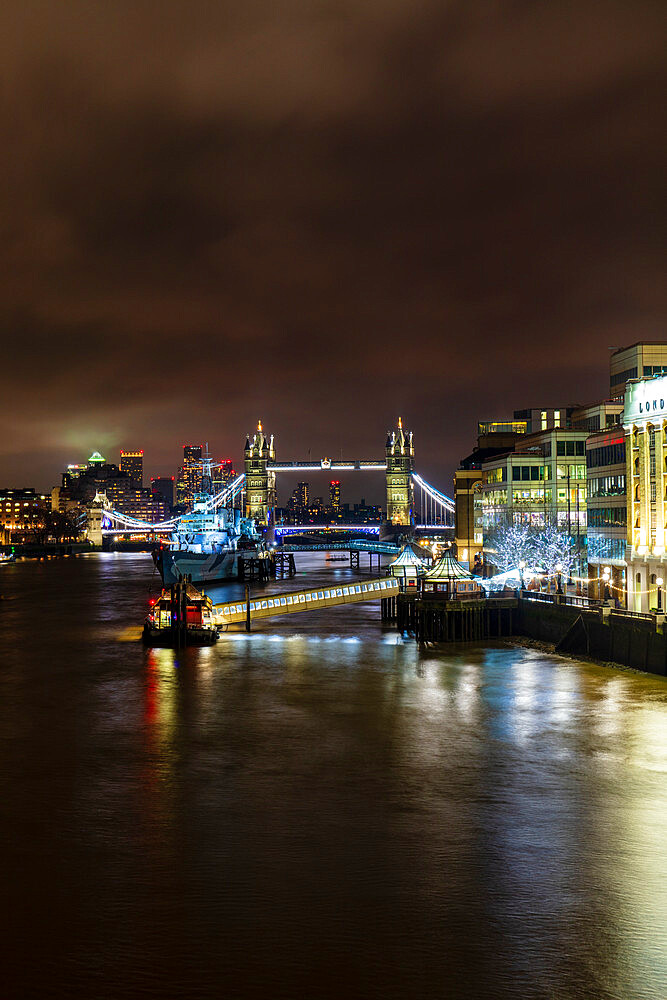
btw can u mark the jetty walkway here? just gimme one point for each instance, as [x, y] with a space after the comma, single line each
[312, 599]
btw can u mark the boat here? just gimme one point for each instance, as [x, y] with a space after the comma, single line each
[181, 616]
[207, 546]
[337, 559]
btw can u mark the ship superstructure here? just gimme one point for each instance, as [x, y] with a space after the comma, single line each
[207, 541]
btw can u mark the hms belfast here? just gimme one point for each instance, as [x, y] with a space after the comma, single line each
[211, 540]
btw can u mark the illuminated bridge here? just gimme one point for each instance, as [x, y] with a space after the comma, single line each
[411, 501]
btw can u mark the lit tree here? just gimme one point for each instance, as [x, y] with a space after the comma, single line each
[555, 548]
[512, 546]
[546, 547]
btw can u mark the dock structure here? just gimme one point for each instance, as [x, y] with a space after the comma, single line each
[460, 620]
[312, 599]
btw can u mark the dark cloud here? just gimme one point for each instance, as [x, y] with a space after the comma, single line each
[322, 214]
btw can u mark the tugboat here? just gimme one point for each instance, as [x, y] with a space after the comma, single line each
[181, 616]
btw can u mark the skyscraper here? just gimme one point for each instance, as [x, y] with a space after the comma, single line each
[162, 487]
[334, 496]
[299, 501]
[189, 482]
[223, 474]
[132, 462]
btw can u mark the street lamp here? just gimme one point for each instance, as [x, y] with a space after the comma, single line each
[659, 582]
[559, 570]
[605, 579]
[522, 566]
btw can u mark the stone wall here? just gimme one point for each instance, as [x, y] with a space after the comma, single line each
[633, 642]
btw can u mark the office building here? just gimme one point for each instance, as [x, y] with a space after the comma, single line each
[541, 481]
[190, 476]
[224, 473]
[597, 416]
[538, 418]
[298, 503]
[132, 462]
[606, 513]
[334, 496]
[21, 512]
[641, 360]
[162, 488]
[494, 437]
[124, 493]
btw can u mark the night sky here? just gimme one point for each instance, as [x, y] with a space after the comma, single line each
[322, 214]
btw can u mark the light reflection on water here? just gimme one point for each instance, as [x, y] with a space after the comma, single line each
[319, 808]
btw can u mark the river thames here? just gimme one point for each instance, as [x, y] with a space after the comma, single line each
[318, 809]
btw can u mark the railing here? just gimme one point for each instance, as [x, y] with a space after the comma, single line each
[589, 604]
[536, 595]
[625, 613]
[285, 603]
[573, 600]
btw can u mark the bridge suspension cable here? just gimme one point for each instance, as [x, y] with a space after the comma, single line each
[226, 496]
[124, 522]
[435, 507]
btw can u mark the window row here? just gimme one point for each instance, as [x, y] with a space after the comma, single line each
[607, 486]
[571, 448]
[608, 454]
[600, 547]
[607, 517]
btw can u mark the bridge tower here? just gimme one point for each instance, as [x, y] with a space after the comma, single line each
[260, 481]
[400, 465]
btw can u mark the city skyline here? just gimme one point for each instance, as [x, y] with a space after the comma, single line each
[375, 212]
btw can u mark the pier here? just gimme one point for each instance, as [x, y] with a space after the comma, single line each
[293, 602]
[438, 620]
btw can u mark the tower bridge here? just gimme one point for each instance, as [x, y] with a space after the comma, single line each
[258, 485]
[261, 466]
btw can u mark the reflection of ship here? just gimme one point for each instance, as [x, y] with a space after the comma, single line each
[207, 546]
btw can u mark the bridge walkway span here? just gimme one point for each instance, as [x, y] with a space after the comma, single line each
[354, 545]
[313, 599]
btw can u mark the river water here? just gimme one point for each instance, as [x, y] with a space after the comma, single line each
[318, 809]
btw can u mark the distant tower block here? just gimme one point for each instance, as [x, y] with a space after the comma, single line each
[400, 465]
[260, 481]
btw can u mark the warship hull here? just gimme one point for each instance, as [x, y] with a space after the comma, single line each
[201, 567]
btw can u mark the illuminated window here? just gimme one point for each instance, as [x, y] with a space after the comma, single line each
[543, 419]
[556, 418]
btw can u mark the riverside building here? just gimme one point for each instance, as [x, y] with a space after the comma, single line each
[645, 423]
[641, 360]
[541, 481]
[21, 511]
[494, 438]
[606, 502]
